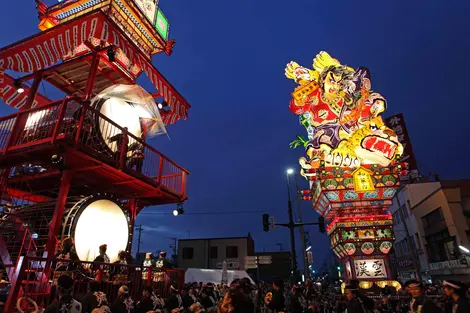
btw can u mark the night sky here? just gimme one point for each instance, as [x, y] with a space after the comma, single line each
[229, 63]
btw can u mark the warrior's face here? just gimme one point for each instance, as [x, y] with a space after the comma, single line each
[331, 86]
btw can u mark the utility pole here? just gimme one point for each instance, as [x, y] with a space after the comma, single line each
[291, 231]
[280, 246]
[301, 228]
[140, 230]
[174, 245]
[408, 238]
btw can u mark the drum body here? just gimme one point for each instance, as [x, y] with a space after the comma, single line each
[95, 221]
[91, 221]
[122, 113]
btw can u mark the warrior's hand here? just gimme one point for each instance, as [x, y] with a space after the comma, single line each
[300, 74]
[290, 68]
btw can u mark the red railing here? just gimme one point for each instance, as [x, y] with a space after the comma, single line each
[82, 126]
[38, 283]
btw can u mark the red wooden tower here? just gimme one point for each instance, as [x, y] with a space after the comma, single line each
[56, 158]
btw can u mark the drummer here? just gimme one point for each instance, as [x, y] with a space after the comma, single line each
[102, 272]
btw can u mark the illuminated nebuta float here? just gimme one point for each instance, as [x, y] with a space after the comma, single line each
[351, 162]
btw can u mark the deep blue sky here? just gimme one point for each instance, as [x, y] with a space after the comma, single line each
[229, 63]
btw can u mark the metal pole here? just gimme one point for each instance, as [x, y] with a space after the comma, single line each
[291, 230]
[139, 229]
[301, 229]
[408, 238]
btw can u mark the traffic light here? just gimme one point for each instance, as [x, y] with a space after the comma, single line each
[321, 224]
[265, 222]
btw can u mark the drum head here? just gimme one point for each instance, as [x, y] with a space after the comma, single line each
[100, 222]
[123, 114]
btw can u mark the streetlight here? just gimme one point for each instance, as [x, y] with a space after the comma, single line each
[290, 171]
[308, 249]
[179, 209]
[464, 249]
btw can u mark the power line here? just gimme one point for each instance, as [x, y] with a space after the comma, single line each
[206, 213]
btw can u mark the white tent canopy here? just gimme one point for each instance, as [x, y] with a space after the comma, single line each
[212, 276]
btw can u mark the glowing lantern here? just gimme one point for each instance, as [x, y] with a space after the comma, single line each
[46, 23]
[363, 180]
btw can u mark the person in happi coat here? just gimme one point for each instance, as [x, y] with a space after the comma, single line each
[206, 300]
[189, 298]
[419, 303]
[276, 302]
[95, 298]
[456, 291]
[296, 300]
[137, 156]
[211, 292]
[357, 302]
[66, 303]
[102, 272]
[123, 303]
[122, 146]
[174, 303]
[120, 270]
[145, 304]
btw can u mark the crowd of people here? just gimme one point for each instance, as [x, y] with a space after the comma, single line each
[240, 296]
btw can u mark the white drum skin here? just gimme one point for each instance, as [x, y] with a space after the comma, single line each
[101, 222]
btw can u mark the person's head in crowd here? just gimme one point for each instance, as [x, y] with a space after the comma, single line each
[162, 255]
[296, 290]
[352, 289]
[278, 284]
[454, 289]
[103, 249]
[147, 291]
[123, 291]
[414, 287]
[308, 283]
[94, 286]
[67, 243]
[122, 255]
[65, 284]
[173, 289]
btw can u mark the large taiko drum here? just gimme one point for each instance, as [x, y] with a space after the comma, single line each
[124, 114]
[91, 221]
[94, 221]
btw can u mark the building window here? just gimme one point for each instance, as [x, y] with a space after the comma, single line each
[405, 210]
[441, 247]
[432, 219]
[188, 253]
[396, 218]
[232, 252]
[213, 252]
[418, 241]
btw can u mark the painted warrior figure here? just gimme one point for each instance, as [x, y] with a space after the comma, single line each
[338, 109]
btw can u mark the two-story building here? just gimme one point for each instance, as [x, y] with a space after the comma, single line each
[436, 214]
[210, 253]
